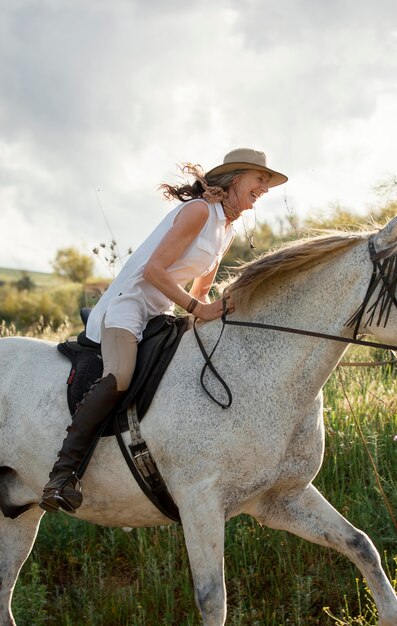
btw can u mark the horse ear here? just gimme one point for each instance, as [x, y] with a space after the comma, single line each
[387, 235]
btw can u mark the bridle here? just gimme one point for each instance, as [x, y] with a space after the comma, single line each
[384, 277]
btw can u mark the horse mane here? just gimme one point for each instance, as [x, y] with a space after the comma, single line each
[289, 256]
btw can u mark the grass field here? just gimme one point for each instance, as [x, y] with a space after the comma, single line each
[81, 575]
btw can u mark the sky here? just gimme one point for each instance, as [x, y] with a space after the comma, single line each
[101, 100]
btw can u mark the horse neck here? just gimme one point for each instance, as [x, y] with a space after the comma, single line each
[324, 294]
[320, 298]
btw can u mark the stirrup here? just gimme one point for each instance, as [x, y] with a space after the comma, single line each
[52, 502]
[64, 504]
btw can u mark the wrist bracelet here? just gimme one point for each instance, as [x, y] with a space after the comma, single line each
[192, 305]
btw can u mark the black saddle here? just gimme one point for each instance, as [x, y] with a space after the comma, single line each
[159, 343]
[160, 340]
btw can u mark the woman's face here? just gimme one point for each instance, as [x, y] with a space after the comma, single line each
[247, 187]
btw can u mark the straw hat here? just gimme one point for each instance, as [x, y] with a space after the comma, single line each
[247, 159]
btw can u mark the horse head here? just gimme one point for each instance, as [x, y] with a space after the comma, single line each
[379, 308]
[387, 236]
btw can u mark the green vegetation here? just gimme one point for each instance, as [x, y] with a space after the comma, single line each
[79, 574]
[71, 264]
[266, 238]
[42, 280]
[31, 301]
[26, 308]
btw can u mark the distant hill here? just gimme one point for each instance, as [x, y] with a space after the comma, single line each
[40, 279]
[45, 280]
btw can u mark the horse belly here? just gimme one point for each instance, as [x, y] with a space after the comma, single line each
[112, 496]
[194, 442]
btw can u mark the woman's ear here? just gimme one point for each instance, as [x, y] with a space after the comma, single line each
[235, 182]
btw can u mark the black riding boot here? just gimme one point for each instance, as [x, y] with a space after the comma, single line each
[64, 489]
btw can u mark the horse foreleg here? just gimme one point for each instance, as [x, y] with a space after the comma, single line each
[204, 529]
[16, 540]
[310, 516]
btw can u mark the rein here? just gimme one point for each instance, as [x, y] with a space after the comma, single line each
[384, 273]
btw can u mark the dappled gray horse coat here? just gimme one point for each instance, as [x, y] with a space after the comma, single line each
[257, 457]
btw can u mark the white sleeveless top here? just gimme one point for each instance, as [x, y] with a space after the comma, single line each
[130, 301]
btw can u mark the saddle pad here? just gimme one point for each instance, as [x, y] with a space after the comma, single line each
[87, 366]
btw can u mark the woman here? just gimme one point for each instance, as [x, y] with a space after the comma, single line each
[187, 245]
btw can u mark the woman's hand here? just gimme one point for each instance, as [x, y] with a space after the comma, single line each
[214, 310]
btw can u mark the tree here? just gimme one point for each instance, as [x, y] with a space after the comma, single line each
[71, 264]
[25, 283]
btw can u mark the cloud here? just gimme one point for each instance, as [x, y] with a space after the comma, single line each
[111, 96]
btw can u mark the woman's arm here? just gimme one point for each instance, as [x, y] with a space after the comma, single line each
[202, 285]
[185, 229]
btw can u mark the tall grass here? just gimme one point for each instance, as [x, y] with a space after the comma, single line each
[79, 574]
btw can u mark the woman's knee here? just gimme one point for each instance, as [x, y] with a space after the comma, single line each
[123, 380]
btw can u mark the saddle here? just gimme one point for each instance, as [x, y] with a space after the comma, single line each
[159, 343]
[155, 351]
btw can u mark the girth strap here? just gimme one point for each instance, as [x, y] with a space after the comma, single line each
[144, 469]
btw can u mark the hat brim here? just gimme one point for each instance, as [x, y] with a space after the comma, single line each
[276, 178]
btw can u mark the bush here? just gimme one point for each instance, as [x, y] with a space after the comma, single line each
[26, 309]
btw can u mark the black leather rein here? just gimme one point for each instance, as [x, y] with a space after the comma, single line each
[381, 274]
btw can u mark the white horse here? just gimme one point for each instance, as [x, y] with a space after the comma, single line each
[258, 457]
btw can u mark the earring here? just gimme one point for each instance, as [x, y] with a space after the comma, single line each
[250, 238]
